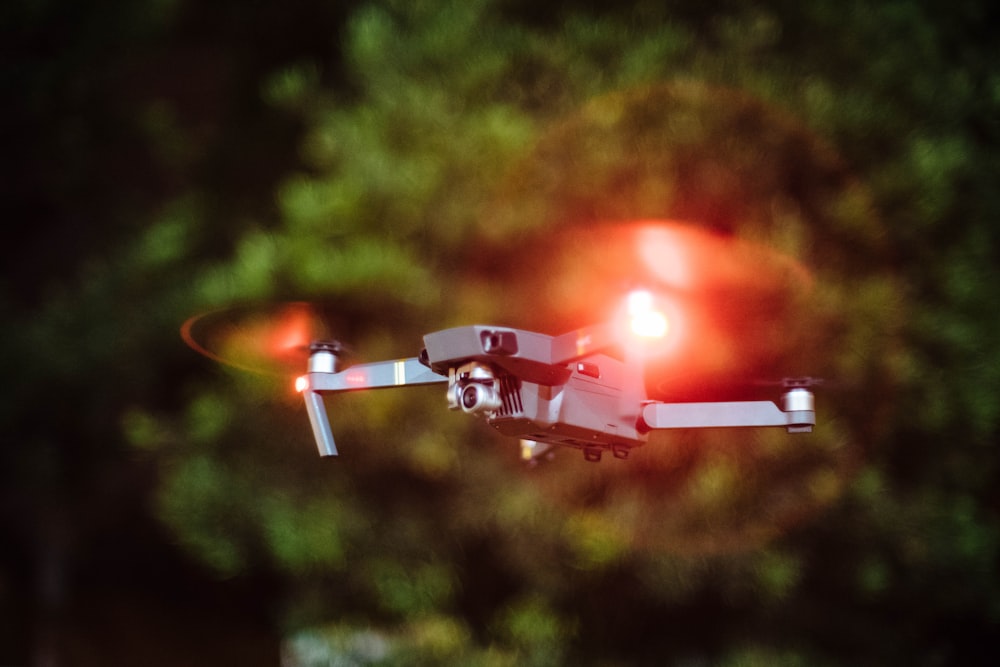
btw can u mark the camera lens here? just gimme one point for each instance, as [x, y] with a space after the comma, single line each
[471, 397]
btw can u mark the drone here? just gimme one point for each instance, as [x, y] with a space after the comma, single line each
[581, 390]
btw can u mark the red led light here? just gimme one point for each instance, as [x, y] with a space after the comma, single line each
[301, 383]
[356, 378]
[645, 320]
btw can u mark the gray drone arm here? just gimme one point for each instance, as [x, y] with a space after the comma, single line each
[320, 422]
[378, 375]
[798, 415]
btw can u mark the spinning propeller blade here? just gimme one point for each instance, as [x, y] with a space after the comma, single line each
[271, 339]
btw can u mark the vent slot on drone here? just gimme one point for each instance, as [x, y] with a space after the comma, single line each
[510, 397]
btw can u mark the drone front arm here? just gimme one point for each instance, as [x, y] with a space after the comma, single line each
[319, 422]
[377, 375]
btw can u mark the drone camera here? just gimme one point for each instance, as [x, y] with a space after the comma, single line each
[477, 397]
[473, 388]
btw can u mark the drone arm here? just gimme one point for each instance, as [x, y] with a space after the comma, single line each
[320, 423]
[378, 375]
[799, 415]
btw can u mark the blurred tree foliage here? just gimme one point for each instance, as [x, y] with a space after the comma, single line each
[446, 151]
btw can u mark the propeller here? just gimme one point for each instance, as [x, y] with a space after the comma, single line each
[274, 339]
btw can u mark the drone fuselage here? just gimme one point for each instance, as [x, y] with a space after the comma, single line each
[517, 381]
[585, 411]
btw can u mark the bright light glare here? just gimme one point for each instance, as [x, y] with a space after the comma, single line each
[645, 320]
[301, 383]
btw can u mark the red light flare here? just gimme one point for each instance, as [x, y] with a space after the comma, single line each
[693, 259]
[717, 157]
[741, 302]
[646, 320]
[287, 338]
[650, 323]
[272, 340]
[729, 303]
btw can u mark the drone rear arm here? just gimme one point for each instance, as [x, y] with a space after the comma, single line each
[798, 416]
[320, 422]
